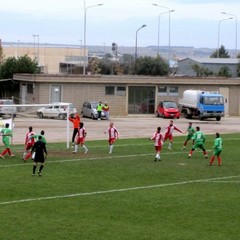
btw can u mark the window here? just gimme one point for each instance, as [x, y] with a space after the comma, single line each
[162, 91]
[109, 90]
[29, 88]
[173, 91]
[121, 91]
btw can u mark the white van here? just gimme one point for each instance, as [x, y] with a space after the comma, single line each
[5, 109]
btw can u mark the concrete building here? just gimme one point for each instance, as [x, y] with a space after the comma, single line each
[125, 94]
[52, 59]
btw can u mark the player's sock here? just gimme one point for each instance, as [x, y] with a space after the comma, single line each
[40, 169]
[76, 148]
[110, 148]
[34, 169]
[4, 152]
[219, 161]
[28, 155]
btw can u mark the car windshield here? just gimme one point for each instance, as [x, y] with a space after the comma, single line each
[94, 105]
[213, 100]
[170, 105]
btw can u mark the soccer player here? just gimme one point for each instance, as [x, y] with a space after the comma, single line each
[198, 141]
[217, 150]
[41, 134]
[113, 135]
[190, 131]
[169, 133]
[81, 135]
[29, 141]
[75, 119]
[40, 148]
[158, 141]
[6, 133]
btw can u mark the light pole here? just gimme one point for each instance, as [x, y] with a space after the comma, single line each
[85, 28]
[219, 23]
[143, 26]
[169, 27]
[158, 50]
[236, 29]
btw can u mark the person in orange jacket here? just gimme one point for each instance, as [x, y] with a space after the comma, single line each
[75, 119]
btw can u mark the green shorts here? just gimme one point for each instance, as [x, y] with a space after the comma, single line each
[217, 152]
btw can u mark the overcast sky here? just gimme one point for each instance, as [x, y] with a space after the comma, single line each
[193, 23]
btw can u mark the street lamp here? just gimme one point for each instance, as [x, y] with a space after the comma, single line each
[85, 28]
[219, 22]
[143, 26]
[169, 27]
[158, 50]
[236, 29]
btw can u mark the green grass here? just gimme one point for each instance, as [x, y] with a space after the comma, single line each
[125, 195]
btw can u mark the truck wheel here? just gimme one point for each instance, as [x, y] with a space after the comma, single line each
[218, 118]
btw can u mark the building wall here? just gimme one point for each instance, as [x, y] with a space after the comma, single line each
[48, 57]
[76, 89]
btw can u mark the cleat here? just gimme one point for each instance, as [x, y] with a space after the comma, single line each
[39, 174]
[86, 151]
[169, 148]
[33, 174]
[209, 164]
[1, 156]
[183, 148]
[189, 156]
[219, 165]
[74, 152]
[206, 156]
[155, 159]
[12, 155]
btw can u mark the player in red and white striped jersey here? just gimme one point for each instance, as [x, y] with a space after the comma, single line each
[113, 135]
[169, 133]
[29, 142]
[80, 138]
[158, 142]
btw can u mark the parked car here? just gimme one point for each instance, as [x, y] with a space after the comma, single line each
[56, 110]
[5, 109]
[89, 109]
[167, 109]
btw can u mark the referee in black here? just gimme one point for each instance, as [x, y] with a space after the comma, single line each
[40, 150]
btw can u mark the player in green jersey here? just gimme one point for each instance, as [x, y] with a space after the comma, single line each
[198, 141]
[6, 134]
[217, 150]
[190, 132]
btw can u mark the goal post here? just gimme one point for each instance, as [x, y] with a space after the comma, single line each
[26, 111]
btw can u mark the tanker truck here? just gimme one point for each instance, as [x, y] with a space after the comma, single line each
[202, 104]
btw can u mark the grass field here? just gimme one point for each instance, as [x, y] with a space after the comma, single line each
[125, 195]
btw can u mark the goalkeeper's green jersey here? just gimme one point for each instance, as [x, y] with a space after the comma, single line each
[218, 144]
[199, 137]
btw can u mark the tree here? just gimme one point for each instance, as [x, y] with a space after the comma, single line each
[220, 53]
[151, 66]
[13, 65]
[224, 72]
[201, 71]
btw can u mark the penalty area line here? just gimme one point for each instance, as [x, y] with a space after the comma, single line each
[115, 190]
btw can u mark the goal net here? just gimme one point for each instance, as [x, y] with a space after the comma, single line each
[52, 118]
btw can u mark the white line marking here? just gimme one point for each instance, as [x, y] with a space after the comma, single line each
[97, 158]
[115, 190]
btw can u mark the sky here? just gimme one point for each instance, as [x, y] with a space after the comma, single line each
[194, 23]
